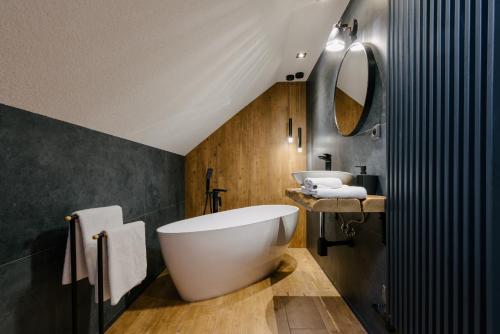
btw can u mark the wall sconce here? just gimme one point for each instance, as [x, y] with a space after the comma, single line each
[299, 146]
[341, 26]
[290, 131]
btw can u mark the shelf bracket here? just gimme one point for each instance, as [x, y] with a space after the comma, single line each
[324, 244]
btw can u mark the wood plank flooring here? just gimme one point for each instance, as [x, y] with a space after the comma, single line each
[296, 299]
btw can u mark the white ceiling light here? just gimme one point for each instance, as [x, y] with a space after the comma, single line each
[301, 55]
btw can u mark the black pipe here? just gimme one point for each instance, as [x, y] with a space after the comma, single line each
[324, 244]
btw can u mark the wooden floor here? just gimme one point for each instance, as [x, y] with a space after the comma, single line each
[297, 299]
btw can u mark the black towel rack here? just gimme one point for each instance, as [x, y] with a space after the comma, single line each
[74, 291]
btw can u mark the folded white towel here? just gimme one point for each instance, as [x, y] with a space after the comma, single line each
[327, 182]
[126, 257]
[343, 192]
[91, 222]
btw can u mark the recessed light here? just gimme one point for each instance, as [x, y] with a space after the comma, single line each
[299, 75]
[290, 77]
[301, 55]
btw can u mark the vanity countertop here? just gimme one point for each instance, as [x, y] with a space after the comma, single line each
[373, 203]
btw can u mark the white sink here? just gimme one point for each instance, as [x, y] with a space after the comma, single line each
[345, 177]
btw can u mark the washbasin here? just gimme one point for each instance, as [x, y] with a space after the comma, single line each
[345, 177]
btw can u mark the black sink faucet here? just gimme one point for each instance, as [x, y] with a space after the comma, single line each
[328, 160]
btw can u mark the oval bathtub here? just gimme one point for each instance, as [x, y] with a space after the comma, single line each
[215, 254]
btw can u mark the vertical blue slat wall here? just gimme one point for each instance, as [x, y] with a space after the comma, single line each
[442, 149]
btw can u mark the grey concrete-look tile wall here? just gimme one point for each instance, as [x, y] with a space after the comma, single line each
[359, 272]
[48, 169]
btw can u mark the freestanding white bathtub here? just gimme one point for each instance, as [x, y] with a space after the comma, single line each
[215, 254]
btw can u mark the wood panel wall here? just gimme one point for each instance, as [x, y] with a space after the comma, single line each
[251, 155]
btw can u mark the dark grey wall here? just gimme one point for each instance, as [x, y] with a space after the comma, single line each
[49, 169]
[359, 272]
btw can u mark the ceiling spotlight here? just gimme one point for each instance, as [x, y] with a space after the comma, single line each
[299, 75]
[290, 77]
[301, 55]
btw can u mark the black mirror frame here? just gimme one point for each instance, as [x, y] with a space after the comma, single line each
[372, 71]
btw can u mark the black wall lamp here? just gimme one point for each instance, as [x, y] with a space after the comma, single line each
[290, 131]
[341, 26]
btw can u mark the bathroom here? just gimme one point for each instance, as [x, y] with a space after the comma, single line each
[316, 166]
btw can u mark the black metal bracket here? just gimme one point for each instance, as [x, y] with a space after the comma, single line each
[324, 244]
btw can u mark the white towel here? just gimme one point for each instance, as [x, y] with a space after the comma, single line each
[318, 182]
[91, 222]
[127, 258]
[343, 192]
[81, 265]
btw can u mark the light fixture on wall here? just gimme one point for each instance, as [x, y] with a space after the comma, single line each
[299, 146]
[336, 41]
[353, 30]
[357, 47]
[335, 45]
[290, 131]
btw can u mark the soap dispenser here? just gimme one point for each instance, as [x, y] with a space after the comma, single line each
[369, 182]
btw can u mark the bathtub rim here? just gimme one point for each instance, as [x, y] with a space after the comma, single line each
[294, 208]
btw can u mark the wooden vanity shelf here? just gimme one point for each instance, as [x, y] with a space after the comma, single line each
[373, 203]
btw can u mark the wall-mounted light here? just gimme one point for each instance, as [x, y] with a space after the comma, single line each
[353, 30]
[356, 47]
[290, 131]
[301, 55]
[299, 146]
[335, 45]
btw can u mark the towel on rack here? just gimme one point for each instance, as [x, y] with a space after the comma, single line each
[127, 263]
[318, 182]
[81, 265]
[91, 222]
[343, 192]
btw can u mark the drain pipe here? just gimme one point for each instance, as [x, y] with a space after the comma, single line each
[324, 244]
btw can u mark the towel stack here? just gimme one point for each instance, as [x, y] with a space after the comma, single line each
[124, 251]
[331, 188]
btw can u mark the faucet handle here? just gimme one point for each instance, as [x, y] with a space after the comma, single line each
[325, 156]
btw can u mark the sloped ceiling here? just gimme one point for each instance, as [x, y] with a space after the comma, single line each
[165, 73]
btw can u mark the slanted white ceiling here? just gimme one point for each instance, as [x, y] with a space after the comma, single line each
[165, 73]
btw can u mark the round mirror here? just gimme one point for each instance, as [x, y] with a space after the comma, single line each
[354, 88]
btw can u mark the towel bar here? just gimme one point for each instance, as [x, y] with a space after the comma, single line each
[97, 236]
[74, 292]
[100, 285]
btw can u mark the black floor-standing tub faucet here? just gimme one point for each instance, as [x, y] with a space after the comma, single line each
[212, 195]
